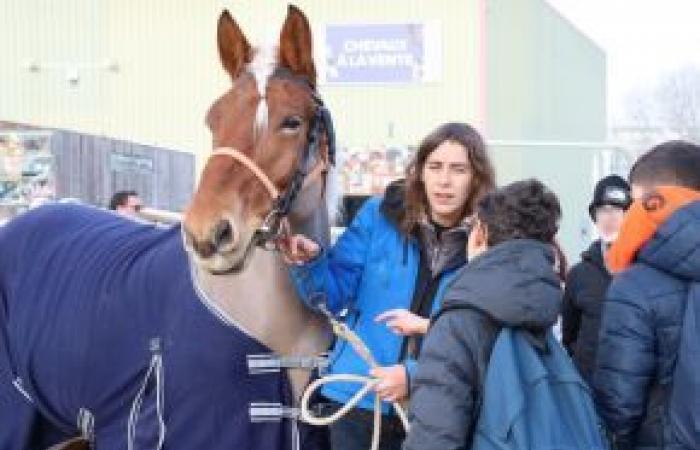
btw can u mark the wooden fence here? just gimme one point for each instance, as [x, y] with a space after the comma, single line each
[91, 168]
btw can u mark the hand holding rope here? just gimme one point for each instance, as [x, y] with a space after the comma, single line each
[342, 331]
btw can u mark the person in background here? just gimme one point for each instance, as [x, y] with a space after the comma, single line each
[510, 281]
[126, 203]
[588, 281]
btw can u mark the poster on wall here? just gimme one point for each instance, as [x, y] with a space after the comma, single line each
[391, 53]
[368, 170]
[26, 169]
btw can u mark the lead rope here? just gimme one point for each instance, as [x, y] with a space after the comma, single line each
[342, 331]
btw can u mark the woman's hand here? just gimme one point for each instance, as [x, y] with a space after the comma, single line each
[393, 384]
[403, 322]
[298, 249]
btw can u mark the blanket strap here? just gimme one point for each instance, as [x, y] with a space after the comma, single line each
[86, 424]
[272, 412]
[270, 363]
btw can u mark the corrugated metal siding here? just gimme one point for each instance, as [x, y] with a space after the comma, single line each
[545, 79]
[85, 169]
[403, 114]
[546, 82]
[50, 33]
[169, 71]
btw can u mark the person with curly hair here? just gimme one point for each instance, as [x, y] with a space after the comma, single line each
[589, 280]
[510, 281]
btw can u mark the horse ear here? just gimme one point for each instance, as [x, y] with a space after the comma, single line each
[234, 50]
[295, 49]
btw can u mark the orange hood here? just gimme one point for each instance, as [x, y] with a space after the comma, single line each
[642, 220]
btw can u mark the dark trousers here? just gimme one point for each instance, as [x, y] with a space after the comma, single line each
[354, 430]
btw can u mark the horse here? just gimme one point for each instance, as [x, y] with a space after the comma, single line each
[132, 335]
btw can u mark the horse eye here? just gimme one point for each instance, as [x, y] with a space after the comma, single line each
[291, 124]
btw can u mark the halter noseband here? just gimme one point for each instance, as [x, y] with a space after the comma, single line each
[282, 202]
[250, 165]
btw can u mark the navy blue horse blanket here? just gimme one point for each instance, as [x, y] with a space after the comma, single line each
[99, 315]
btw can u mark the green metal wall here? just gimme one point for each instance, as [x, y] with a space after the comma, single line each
[169, 72]
[372, 115]
[546, 82]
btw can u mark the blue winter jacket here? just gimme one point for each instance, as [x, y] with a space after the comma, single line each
[370, 269]
[640, 333]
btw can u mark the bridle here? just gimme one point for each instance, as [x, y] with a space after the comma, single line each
[282, 202]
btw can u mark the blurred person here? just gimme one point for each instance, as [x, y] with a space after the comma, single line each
[126, 203]
[588, 281]
[647, 372]
[510, 282]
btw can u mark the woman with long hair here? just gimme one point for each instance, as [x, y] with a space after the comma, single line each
[386, 269]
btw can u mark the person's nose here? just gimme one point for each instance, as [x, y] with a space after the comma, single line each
[445, 178]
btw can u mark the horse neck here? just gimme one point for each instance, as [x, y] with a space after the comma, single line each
[261, 300]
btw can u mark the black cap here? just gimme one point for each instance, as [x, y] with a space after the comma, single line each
[611, 190]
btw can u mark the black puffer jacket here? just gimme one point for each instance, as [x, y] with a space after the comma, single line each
[513, 284]
[585, 290]
[640, 333]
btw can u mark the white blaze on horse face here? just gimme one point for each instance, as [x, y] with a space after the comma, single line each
[262, 67]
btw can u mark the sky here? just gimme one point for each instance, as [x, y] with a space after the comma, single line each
[643, 39]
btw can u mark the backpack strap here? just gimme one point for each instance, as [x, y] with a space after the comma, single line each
[538, 338]
[492, 326]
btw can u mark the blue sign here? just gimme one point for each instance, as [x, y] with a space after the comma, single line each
[376, 53]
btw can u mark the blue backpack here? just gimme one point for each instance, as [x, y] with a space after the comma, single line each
[535, 400]
[684, 402]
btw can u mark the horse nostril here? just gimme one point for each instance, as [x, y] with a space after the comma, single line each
[223, 234]
[205, 249]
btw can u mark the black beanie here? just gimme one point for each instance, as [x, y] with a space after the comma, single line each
[611, 190]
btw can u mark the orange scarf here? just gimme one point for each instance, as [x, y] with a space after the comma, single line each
[642, 220]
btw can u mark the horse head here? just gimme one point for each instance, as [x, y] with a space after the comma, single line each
[272, 141]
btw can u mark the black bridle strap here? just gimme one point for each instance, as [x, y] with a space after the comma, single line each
[324, 116]
[284, 203]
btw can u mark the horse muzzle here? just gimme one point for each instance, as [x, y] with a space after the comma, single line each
[222, 249]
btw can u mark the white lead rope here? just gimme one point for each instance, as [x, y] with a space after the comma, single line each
[342, 331]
